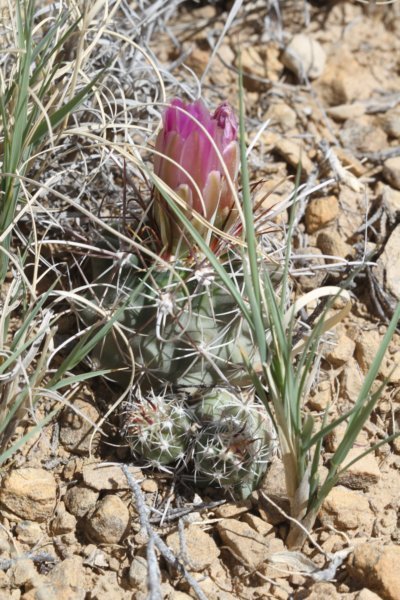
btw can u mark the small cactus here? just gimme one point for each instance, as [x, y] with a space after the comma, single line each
[157, 429]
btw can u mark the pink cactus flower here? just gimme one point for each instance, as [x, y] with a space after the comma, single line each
[183, 141]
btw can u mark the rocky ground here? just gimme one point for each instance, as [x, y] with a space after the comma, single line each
[327, 77]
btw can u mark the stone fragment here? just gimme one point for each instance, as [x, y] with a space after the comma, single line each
[230, 509]
[106, 587]
[24, 574]
[331, 243]
[76, 427]
[351, 380]
[323, 590]
[363, 473]
[104, 477]
[377, 568]
[342, 351]
[200, 549]
[309, 260]
[281, 115]
[29, 493]
[391, 123]
[251, 547]
[361, 135]
[342, 112]
[305, 57]
[349, 161]
[366, 594]
[258, 524]
[322, 397]
[366, 348]
[293, 154]
[387, 269]
[109, 522]
[391, 171]
[138, 573]
[274, 487]
[28, 532]
[320, 212]
[79, 500]
[64, 522]
[338, 84]
[346, 510]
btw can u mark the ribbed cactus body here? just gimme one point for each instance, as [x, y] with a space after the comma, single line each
[182, 332]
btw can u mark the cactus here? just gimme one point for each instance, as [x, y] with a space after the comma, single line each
[225, 440]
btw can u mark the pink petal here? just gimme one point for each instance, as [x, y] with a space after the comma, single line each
[212, 194]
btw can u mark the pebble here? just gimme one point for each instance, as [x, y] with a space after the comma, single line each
[79, 500]
[281, 115]
[342, 112]
[331, 243]
[138, 573]
[387, 269]
[305, 57]
[200, 550]
[250, 546]
[107, 587]
[109, 522]
[24, 574]
[103, 477]
[29, 493]
[346, 510]
[274, 486]
[351, 380]
[361, 136]
[320, 212]
[391, 171]
[366, 348]
[323, 590]
[391, 123]
[342, 351]
[363, 473]
[75, 430]
[64, 522]
[293, 154]
[377, 568]
[312, 258]
[28, 532]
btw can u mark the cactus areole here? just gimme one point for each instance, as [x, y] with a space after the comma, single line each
[197, 156]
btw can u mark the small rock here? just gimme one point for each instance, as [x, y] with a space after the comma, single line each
[387, 269]
[342, 352]
[281, 115]
[80, 500]
[200, 549]
[107, 587]
[331, 243]
[29, 493]
[305, 57]
[324, 591]
[342, 112]
[28, 532]
[69, 572]
[390, 200]
[24, 574]
[109, 522]
[274, 487]
[391, 171]
[338, 84]
[308, 260]
[363, 473]
[320, 212]
[138, 573]
[391, 123]
[64, 522]
[366, 594]
[366, 348]
[386, 523]
[230, 509]
[246, 543]
[322, 397]
[361, 135]
[112, 477]
[345, 510]
[351, 380]
[76, 430]
[377, 567]
[258, 524]
[294, 154]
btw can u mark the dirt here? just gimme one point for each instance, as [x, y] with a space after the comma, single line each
[70, 530]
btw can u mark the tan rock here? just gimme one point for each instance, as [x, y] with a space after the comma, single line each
[281, 115]
[363, 473]
[349, 161]
[387, 269]
[305, 57]
[342, 352]
[351, 380]
[366, 348]
[331, 243]
[391, 171]
[109, 522]
[258, 524]
[294, 154]
[79, 500]
[391, 123]
[201, 550]
[346, 509]
[323, 590]
[334, 438]
[309, 260]
[250, 547]
[320, 212]
[107, 587]
[338, 84]
[322, 397]
[76, 426]
[366, 594]
[138, 573]
[24, 574]
[107, 477]
[29, 493]
[377, 567]
[64, 522]
[363, 135]
[274, 487]
[28, 532]
[229, 510]
[342, 112]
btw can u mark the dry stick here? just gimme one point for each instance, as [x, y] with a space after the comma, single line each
[156, 542]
